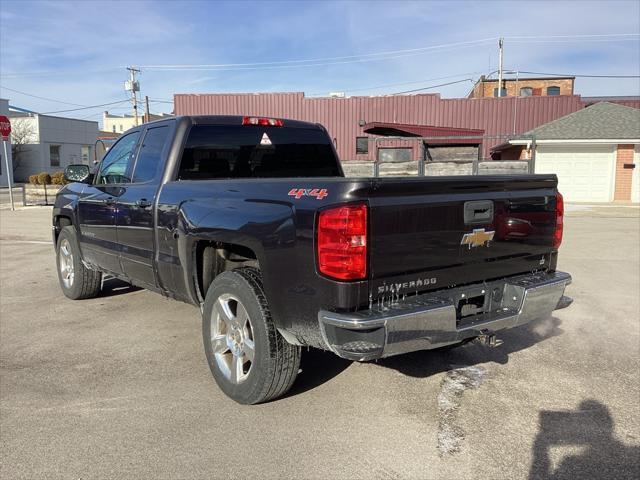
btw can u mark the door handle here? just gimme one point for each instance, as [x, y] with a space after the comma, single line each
[143, 203]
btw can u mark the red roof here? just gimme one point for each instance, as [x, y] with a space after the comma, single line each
[468, 135]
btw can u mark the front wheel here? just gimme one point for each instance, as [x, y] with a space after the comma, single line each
[76, 280]
[249, 359]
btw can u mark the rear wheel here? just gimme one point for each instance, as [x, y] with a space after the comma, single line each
[249, 359]
[76, 280]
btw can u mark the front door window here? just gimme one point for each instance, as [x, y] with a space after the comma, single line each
[115, 164]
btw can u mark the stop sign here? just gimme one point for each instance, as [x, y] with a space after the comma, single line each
[5, 127]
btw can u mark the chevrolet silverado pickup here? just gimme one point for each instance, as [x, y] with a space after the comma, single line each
[252, 220]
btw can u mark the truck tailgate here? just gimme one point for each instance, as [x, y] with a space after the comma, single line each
[433, 233]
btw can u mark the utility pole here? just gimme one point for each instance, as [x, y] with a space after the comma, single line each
[133, 86]
[500, 44]
[146, 111]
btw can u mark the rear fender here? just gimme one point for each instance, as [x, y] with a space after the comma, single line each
[266, 228]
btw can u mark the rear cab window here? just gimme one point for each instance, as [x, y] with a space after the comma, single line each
[257, 151]
[150, 157]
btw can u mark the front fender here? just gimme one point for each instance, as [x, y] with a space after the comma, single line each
[66, 205]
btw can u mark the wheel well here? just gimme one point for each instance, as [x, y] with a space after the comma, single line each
[60, 222]
[213, 258]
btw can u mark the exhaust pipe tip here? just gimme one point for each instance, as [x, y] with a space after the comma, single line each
[564, 302]
[488, 340]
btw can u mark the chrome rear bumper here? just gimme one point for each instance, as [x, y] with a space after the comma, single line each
[442, 318]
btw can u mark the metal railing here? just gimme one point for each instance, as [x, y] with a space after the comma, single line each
[436, 141]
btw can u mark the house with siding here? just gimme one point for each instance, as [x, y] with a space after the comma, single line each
[53, 143]
[595, 152]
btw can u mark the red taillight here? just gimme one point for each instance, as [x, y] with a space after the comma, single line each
[557, 235]
[342, 242]
[266, 122]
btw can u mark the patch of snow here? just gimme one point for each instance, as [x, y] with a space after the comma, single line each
[454, 384]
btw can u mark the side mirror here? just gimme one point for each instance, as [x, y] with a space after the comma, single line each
[77, 173]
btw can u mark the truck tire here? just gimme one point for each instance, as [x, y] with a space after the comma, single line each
[76, 280]
[249, 359]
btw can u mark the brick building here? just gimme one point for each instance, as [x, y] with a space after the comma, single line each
[523, 87]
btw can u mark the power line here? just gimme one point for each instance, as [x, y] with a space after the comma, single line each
[587, 35]
[87, 108]
[413, 82]
[434, 86]
[111, 110]
[41, 98]
[387, 55]
[288, 62]
[567, 40]
[55, 72]
[579, 75]
[189, 68]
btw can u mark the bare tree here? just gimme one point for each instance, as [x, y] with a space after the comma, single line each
[22, 133]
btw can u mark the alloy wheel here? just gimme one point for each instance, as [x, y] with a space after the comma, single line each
[232, 339]
[66, 263]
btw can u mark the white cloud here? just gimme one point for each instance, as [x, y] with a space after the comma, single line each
[89, 43]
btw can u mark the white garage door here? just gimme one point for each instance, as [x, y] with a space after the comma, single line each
[585, 172]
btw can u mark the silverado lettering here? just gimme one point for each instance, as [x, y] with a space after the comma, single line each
[411, 285]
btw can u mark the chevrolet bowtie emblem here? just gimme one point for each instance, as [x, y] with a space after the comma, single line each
[478, 238]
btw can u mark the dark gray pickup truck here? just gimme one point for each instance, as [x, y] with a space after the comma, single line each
[251, 220]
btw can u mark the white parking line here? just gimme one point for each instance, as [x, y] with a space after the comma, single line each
[35, 242]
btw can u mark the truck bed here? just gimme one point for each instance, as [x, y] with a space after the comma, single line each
[416, 230]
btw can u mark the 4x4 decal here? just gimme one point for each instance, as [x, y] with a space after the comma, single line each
[319, 193]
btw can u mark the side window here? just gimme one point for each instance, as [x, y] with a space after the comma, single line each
[149, 158]
[115, 163]
[403, 154]
[553, 91]
[503, 92]
[54, 155]
[362, 145]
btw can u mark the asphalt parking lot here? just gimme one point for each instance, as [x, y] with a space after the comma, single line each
[118, 386]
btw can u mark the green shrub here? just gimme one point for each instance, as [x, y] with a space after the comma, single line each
[44, 178]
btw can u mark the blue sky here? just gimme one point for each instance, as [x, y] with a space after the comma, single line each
[75, 52]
